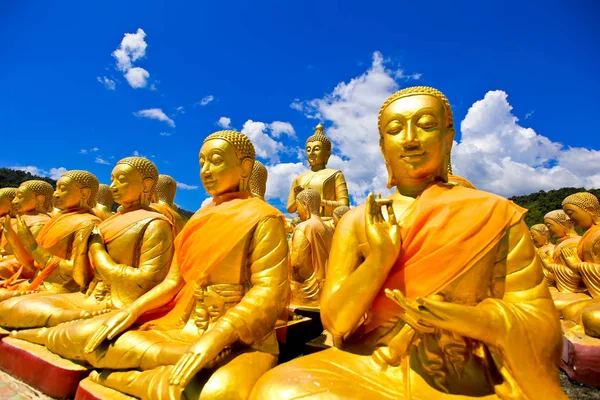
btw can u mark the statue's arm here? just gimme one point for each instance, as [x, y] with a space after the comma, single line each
[291, 203]
[596, 255]
[300, 253]
[341, 193]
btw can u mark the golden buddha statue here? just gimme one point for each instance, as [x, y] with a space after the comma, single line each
[131, 253]
[33, 203]
[258, 180]
[541, 239]
[309, 250]
[164, 202]
[226, 287]
[433, 293]
[59, 252]
[6, 197]
[104, 202]
[338, 213]
[330, 183]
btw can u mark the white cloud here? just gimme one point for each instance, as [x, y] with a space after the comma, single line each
[184, 186]
[280, 180]
[224, 122]
[180, 110]
[207, 99]
[95, 149]
[100, 160]
[155, 113]
[206, 201]
[136, 153]
[133, 47]
[54, 173]
[83, 151]
[165, 133]
[108, 83]
[137, 77]
[266, 147]
[278, 128]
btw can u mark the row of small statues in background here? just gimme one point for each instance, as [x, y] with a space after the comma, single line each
[572, 266]
[433, 292]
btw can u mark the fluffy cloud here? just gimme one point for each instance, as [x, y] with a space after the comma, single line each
[109, 84]
[224, 122]
[100, 160]
[266, 147]
[499, 155]
[137, 77]
[155, 113]
[132, 48]
[184, 186]
[280, 180]
[54, 173]
[165, 133]
[83, 151]
[278, 128]
[205, 100]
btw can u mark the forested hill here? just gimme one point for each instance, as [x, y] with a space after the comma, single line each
[542, 202]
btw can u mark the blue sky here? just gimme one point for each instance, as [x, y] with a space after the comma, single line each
[334, 62]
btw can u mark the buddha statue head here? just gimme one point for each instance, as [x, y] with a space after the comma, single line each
[76, 189]
[295, 221]
[583, 209]
[104, 196]
[7, 195]
[540, 235]
[559, 225]
[416, 131]
[226, 162]
[166, 188]
[308, 203]
[338, 213]
[258, 180]
[318, 149]
[133, 182]
[34, 196]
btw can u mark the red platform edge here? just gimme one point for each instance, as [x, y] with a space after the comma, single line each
[50, 379]
[581, 363]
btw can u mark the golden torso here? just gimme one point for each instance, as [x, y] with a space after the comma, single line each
[330, 183]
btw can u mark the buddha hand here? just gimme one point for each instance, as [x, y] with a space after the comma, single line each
[571, 257]
[546, 259]
[383, 236]
[25, 236]
[113, 325]
[9, 233]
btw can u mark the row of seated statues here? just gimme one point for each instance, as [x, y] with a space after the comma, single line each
[435, 292]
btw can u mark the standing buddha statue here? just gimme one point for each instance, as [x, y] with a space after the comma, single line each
[433, 293]
[164, 203]
[130, 251]
[33, 203]
[541, 239]
[59, 252]
[104, 202]
[330, 183]
[226, 287]
[6, 197]
[309, 250]
[258, 180]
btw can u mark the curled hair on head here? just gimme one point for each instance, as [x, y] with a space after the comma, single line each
[105, 196]
[319, 136]
[584, 200]
[41, 188]
[85, 180]
[542, 230]
[560, 218]
[145, 167]
[241, 143]
[9, 192]
[166, 188]
[258, 179]
[311, 199]
[340, 211]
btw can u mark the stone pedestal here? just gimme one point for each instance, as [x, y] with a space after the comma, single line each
[89, 390]
[40, 368]
[581, 357]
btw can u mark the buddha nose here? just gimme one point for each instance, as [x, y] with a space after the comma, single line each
[410, 139]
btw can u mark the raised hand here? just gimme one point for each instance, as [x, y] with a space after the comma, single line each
[571, 257]
[25, 236]
[112, 326]
[546, 259]
[383, 236]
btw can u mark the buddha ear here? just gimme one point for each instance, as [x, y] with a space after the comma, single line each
[40, 202]
[85, 194]
[247, 164]
[148, 183]
[450, 138]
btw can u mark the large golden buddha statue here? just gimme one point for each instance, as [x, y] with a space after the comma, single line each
[226, 287]
[104, 202]
[541, 239]
[433, 293]
[258, 180]
[164, 202]
[33, 203]
[130, 251]
[330, 183]
[59, 253]
[310, 246]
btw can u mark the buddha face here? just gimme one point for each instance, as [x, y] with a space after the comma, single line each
[415, 140]
[5, 205]
[316, 153]
[67, 194]
[579, 216]
[303, 211]
[556, 230]
[25, 201]
[538, 239]
[127, 185]
[221, 171]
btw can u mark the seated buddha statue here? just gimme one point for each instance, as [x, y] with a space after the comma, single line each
[225, 289]
[33, 203]
[104, 202]
[310, 246]
[433, 293]
[330, 183]
[59, 252]
[131, 253]
[541, 239]
[258, 180]
[6, 197]
[338, 213]
[164, 202]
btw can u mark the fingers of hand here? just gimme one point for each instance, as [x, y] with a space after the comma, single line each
[96, 339]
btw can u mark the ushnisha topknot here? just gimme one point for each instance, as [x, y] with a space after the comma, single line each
[319, 136]
[312, 199]
[560, 218]
[584, 200]
[144, 166]
[42, 188]
[419, 90]
[166, 188]
[542, 230]
[85, 180]
[242, 144]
